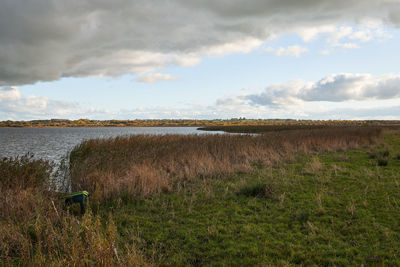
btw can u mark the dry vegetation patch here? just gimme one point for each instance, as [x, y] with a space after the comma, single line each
[37, 230]
[144, 164]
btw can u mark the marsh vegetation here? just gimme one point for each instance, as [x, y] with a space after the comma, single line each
[298, 197]
[144, 165]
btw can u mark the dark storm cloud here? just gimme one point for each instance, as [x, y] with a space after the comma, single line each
[46, 40]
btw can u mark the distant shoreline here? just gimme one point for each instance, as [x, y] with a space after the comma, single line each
[64, 123]
[98, 126]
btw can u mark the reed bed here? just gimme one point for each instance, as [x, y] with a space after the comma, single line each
[37, 230]
[144, 165]
[279, 126]
[267, 128]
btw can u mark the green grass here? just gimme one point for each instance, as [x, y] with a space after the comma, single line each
[345, 212]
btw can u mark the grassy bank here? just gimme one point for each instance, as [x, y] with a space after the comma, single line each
[323, 197]
[327, 209]
[144, 165]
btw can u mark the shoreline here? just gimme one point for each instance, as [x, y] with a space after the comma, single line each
[58, 123]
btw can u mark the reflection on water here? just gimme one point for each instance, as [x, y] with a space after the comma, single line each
[54, 143]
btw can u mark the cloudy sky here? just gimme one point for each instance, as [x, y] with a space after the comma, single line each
[120, 59]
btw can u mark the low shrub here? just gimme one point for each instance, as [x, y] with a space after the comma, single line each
[381, 157]
[380, 154]
[24, 172]
[382, 161]
[258, 189]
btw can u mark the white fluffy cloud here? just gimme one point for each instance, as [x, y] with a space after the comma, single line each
[8, 93]
[293, 50]
[17, 107]
[156, 77]
[345, 36]
[348, 45]
[333, 88]
[371, 98]
[46, 40]
[335, 34]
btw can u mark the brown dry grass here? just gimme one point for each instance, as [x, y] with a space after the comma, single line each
[145, 165]
[36, 230]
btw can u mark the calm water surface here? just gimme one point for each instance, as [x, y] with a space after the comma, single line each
[54, 143]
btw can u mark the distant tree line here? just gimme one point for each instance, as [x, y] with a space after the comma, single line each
[190, 122]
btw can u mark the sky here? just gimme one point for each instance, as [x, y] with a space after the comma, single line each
[190, 59]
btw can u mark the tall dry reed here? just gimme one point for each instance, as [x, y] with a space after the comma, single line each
[37, 230]
[147, 164]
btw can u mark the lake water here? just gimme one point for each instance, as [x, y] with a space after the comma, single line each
[54, 143]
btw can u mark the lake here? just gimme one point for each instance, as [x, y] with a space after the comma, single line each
[54, 143]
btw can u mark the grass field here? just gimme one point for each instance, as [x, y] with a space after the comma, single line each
[332, 205]
[329, 209]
